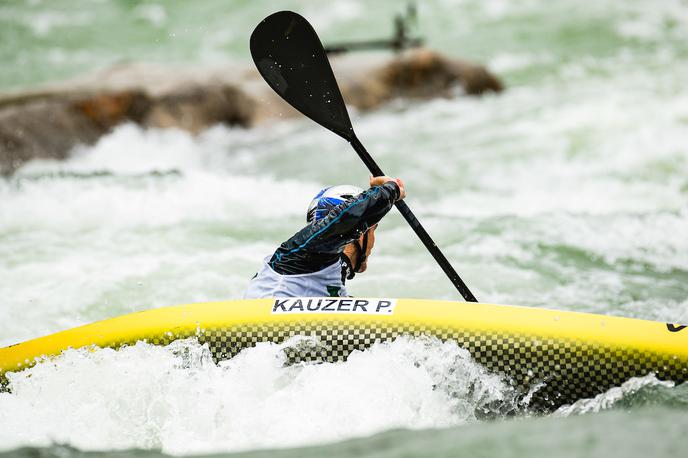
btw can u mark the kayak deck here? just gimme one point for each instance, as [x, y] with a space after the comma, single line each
[569, 355]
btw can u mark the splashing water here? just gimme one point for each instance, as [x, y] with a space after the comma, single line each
[567, 191]
[176, 399]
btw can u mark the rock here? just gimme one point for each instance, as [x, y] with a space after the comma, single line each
[48, 123]
[49, 127]
[42, 129]
[422, 74]
[109, 109]
[196, 108]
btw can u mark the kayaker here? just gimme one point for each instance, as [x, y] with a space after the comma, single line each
[333, 247]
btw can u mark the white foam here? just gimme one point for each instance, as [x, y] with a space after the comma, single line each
[200, 187]
[568, 190]
[666, 19]
[508, 62]
[175, 398]
[78, 246]
[612, 396]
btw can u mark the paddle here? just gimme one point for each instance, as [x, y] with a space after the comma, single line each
[290, 57]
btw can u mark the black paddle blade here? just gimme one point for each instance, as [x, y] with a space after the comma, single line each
[290, 57]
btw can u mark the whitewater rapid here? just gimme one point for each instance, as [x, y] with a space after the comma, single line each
[566, 191]
[177, 399]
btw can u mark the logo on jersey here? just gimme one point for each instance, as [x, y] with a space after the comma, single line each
[334, 305]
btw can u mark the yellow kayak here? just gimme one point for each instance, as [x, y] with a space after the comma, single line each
[567, 355]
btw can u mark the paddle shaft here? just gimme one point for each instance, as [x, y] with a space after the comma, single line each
[415, 225]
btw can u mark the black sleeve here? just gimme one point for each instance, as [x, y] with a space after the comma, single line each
[319, 245]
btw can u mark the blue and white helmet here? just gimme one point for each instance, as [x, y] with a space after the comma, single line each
[328, 198]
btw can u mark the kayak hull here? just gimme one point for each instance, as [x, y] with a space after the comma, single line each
[566, 355]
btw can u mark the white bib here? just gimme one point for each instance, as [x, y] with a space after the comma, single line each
[268, 283]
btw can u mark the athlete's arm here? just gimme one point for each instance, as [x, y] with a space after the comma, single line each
[320, 244]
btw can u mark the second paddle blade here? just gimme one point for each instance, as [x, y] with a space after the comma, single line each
[290, 57]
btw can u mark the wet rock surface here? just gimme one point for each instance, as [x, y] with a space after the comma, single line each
[49, 122]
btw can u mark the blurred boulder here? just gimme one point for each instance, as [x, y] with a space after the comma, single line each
[196, 108]
[48, 126]
[49, 122]
[421, 74]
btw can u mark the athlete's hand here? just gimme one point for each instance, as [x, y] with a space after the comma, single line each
[377, 181]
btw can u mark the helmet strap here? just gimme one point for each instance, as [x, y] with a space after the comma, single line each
[347, 269]
[361, 255]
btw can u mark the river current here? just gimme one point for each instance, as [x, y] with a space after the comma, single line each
[569, 190]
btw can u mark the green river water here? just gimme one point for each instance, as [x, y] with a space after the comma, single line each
[567, 191]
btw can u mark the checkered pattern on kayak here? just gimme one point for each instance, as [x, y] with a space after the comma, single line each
[568, 370]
